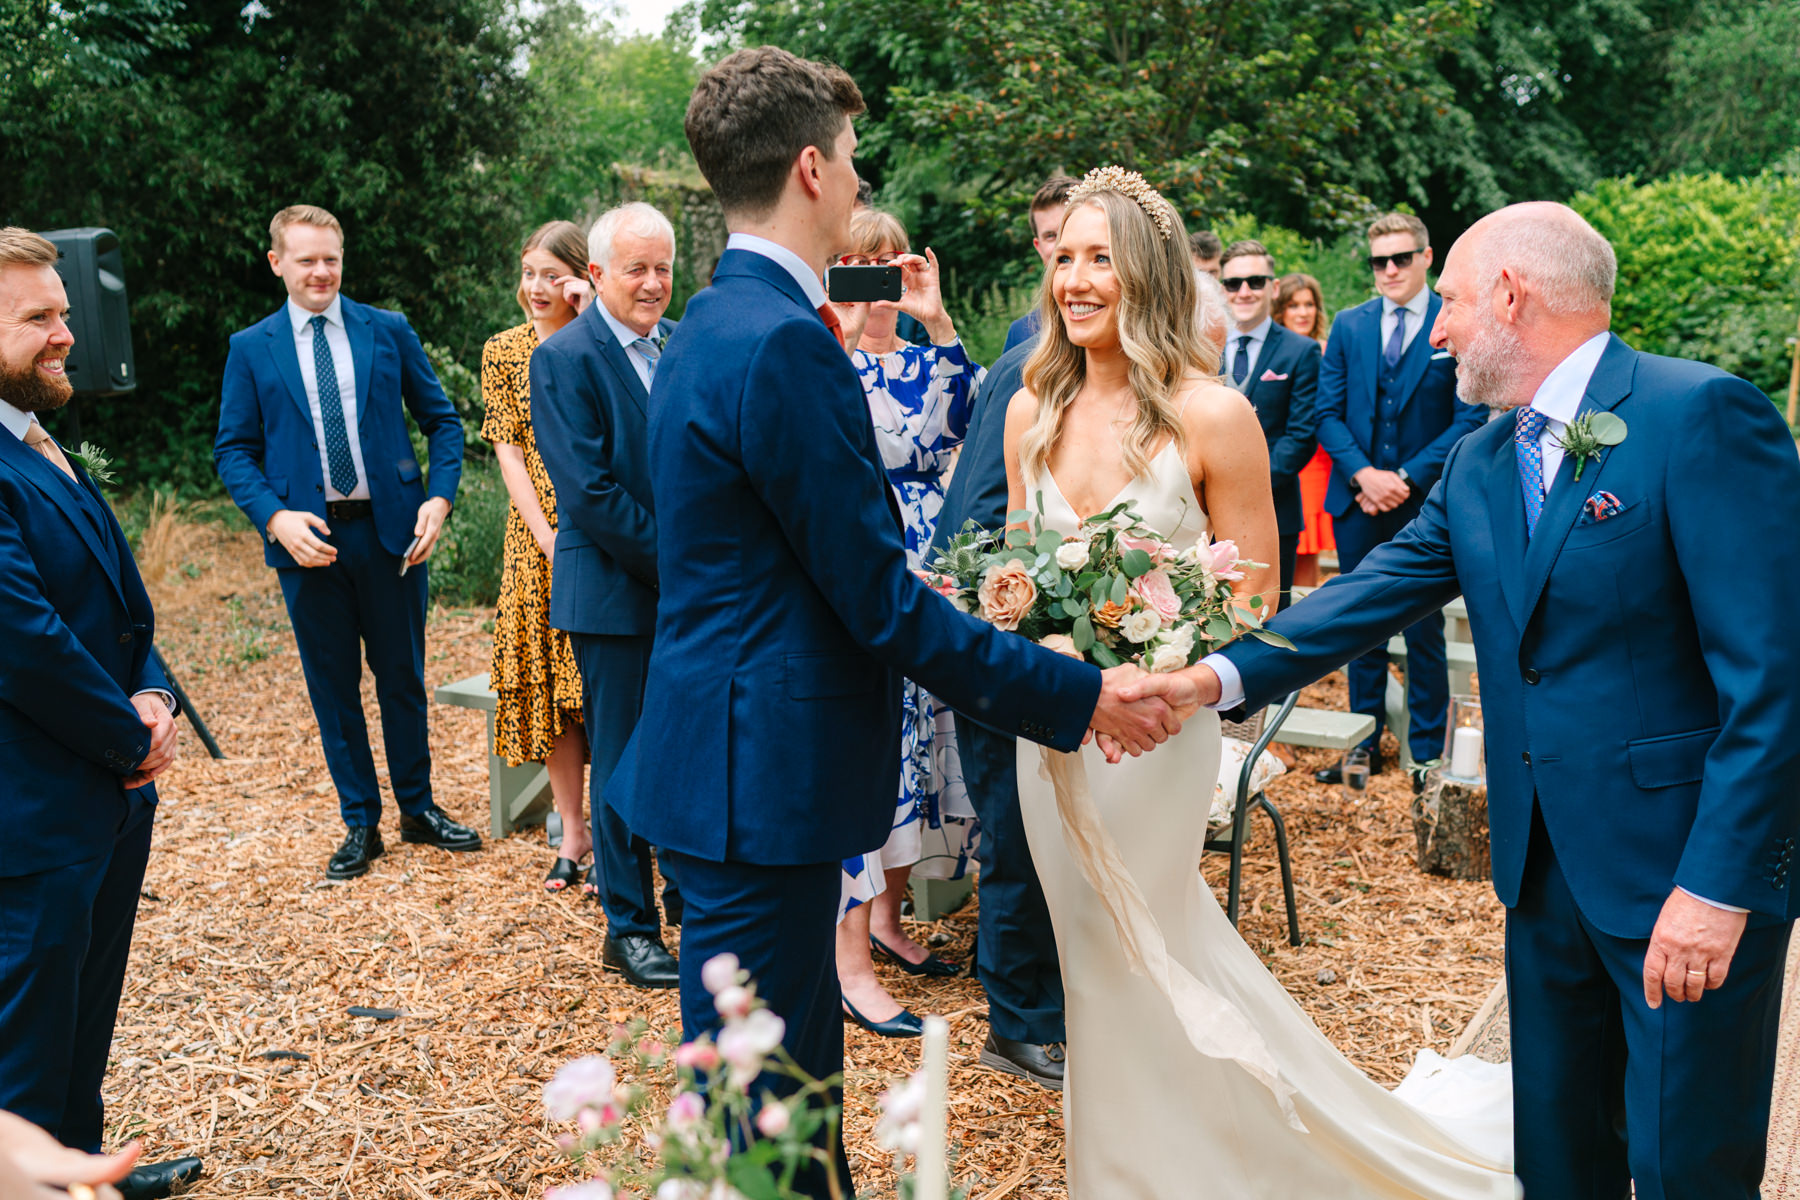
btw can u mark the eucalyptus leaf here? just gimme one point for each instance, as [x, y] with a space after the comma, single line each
[1083, 633]
[1136, 563]
[1105, 657]
[1017, 537]
[1048, 541]
[1608, 428]
[1018, 516]
[1120, 589]
[1271, 637]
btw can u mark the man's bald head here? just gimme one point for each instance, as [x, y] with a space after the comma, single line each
[1552, 252]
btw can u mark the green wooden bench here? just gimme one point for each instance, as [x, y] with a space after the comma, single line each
[517, 796]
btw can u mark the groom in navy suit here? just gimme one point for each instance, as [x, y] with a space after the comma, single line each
[787, 617]
[1610, 532]
[313, 448]
[590, 405]
[1388, 415]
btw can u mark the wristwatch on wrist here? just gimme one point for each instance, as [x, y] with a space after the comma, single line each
[1406, 479]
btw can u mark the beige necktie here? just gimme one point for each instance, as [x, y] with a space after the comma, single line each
[39, 439]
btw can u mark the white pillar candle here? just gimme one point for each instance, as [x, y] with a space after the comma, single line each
[1465, 753]
[933, 1180]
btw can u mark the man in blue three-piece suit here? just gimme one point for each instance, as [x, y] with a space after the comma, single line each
[1388, 415]
[1278, 372]
[1610, 532]
[768, 749]
[86, 724]
[590, 405]
[313, 447]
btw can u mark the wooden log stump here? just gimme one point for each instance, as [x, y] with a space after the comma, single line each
[1450, 821]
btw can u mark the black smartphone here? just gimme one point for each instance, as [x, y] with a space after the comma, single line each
[856, 285]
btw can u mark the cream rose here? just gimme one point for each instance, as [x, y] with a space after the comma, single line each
[1062, 643]
[1007, 594]
[1168, 658]
[1140, 625]
[1072, 556]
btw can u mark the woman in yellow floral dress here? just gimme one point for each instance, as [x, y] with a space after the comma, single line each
[538, 717]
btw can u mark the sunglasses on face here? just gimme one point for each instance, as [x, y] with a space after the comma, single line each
[1255, 283]
[1403, 260]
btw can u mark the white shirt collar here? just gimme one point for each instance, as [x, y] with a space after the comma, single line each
[625, 333]
[1559, 396]
[1257, 333]
[805, 276]
[1416, 306]
[300, 317]
[17, 421]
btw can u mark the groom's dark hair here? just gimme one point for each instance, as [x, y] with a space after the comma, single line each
[754, 112]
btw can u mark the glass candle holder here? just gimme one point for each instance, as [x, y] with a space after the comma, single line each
[1465, 742]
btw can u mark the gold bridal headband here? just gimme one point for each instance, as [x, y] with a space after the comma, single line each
[1133, 187]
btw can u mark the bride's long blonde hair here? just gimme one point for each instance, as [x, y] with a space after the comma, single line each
[1157, 332]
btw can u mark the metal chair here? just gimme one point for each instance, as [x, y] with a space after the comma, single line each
[1259, 730]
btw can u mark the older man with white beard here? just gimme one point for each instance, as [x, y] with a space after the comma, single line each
[1643, 727]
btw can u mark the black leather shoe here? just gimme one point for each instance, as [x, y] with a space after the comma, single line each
[642, 960]
[1041, 1064]
[362, 845]
[433, 828]
[1335, 775]
[906, 1025]
[152, 1181]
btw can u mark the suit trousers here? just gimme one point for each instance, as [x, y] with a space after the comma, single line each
[613, 672]
[64, 938]
[1608, 1091]
[1015, 952]
[1427, 675]
[781, 922]
[1287, 549]
[361, 604]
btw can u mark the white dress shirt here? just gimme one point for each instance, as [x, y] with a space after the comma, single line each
[1415, 319]
[1257, 336]
[19, 423]
[809, 279]
[628, 338]
[338, 340]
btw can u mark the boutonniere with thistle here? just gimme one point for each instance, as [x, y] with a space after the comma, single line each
[93, 460]
[1586, 436]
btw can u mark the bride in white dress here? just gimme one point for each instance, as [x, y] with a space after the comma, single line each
[1191, 1072]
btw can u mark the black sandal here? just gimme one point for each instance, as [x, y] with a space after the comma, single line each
[563, 876]
[933, 967]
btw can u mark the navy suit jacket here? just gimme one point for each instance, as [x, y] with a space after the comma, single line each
[978, 486]
[268, 454]
[787, 615]
[77, 647]
[1637, 671]
[1021, 330]
[1282, 387]
[1431, 417]
[591, 417]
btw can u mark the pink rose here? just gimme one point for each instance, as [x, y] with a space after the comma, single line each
[1006, 594]
[1224, 560]
[697, 1056]
[1158, 594]
[1156, 548]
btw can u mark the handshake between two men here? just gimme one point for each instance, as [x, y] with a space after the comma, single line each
[1138, 710]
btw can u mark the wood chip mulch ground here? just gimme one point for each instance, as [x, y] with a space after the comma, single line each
[235, 1039]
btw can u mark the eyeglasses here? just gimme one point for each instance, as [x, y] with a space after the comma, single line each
[1403, 260]
[1255, 283]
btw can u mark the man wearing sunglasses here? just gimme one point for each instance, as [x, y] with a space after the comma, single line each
[1278, 372]
[1388, 415]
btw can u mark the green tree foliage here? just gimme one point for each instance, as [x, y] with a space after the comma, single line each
[1735, 104]
[1709, 267]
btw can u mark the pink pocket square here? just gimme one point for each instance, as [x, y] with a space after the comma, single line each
[1271, 377]
[1602, 505]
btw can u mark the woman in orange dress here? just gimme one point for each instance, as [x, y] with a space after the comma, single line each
[538, 714]
[1300, 306]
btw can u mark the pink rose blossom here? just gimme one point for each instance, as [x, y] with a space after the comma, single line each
[719, 973]
[697, 1056]
[685, 1111]
[734, 1003]
[1158, 594]
[773, 1120]
[1224, 561]
[586, 1083]
[1156, 548]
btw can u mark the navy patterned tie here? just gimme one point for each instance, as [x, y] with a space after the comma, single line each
[1240, 366]
[1396, 342]
[1526, 433]
[331, 413]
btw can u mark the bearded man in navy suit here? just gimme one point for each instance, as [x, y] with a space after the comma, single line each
[786, 617]
[87, 723]
[1610, 532]
[1388, 415]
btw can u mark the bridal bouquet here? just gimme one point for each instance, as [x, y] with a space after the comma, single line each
[1111, 592]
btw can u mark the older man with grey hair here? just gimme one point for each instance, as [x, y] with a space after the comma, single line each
[590, 403]
[1642, 728]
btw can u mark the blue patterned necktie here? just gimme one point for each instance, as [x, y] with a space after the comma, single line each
[651, 352]
[331, 413]
[1526, 433]
[1240, 366]
[1397, 341]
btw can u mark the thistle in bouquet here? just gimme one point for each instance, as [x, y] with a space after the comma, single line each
[1112, 591]
[721, 1138]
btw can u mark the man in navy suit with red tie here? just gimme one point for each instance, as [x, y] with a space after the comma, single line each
[86, 725]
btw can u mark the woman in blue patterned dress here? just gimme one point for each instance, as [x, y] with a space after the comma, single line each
[919, 398]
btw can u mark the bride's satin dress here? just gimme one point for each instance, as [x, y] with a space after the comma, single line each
[1196, 1075]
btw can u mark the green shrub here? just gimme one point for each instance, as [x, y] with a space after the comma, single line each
[1709, 267]
[465, 569]
[983, 319]
[1340, 266]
